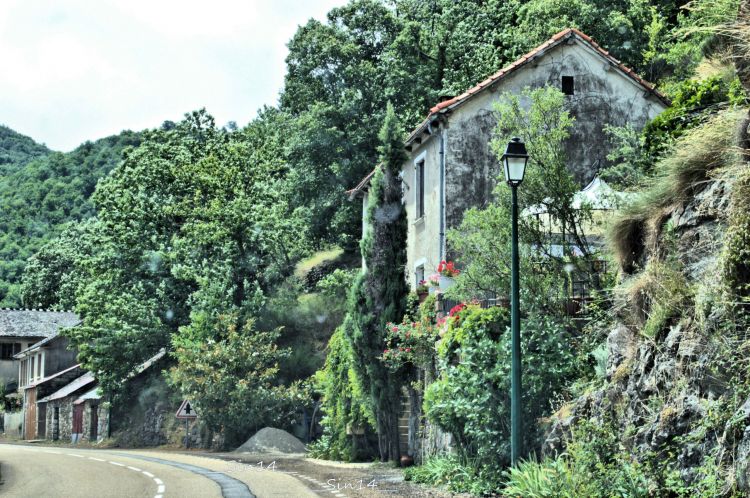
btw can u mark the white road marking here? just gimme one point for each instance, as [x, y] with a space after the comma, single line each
[158, 496]
[118, 464]
[148, 473]
[160, 489]
[53, 452]
[158, 481]
[73, 454]
[97, 459]
[134, 468]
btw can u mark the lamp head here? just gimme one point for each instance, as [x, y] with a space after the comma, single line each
[514, 162]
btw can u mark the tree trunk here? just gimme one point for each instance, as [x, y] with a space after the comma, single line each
[388, 438]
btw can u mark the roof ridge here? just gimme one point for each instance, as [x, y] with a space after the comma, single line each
[554, 40]
[43, 310]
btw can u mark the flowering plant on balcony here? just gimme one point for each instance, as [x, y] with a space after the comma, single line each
[447, 269]
[409, 344]
[434, 280]
[422, 287]
[456, 309]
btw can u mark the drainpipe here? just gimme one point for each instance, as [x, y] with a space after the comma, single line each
[442, 194]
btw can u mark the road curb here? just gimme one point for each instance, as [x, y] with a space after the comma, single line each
[230, 487]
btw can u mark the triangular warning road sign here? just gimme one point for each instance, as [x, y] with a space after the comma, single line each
[186, 410]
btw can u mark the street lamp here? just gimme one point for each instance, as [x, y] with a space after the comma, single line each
[514, 163]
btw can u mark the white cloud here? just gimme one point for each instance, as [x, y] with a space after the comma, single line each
[79, 70]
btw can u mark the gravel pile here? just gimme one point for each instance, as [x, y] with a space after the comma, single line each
[269, 439]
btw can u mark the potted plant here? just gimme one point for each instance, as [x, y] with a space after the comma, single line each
[422, 290]
[434, 283]
[447, 272]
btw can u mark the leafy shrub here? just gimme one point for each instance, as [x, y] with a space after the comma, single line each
[232, 379]
[409, 344]
[692, 102]
[455, 474]
[470, 399]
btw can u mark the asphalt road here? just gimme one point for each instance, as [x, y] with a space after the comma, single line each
[40, 471]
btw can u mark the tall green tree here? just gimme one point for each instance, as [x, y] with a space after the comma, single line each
[192, 224]
[378, 296]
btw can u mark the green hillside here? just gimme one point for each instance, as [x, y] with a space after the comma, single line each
[16, 150]
[42, 191]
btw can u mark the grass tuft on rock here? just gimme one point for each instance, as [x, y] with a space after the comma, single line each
[678, 176]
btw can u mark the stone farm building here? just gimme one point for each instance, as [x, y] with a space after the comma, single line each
[20, 329]
[451, 167]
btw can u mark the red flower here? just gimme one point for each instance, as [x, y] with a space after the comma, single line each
[456, 309]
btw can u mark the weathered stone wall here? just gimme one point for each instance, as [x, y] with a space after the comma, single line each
[63, 427]
[601, 96]
[91, 408]
[146, 416]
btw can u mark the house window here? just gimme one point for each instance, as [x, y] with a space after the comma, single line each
[7, 350]
[568, 85]
[419, 274]
[39, 366]
[420, 188]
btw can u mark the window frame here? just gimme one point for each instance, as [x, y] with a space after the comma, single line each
[420, 173]
[567, 84]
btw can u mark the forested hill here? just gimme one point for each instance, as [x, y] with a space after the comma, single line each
[16, 150]
[42, 190]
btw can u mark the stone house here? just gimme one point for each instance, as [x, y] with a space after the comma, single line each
[74, 413]
[19, 330]
[451, 167]
[44, 368]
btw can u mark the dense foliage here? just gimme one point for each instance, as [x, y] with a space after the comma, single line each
[39, 197]
[233, 380]
[470, 399]
[189, 226]
[347, 408]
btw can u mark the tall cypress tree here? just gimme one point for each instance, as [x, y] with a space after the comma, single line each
[379, 293]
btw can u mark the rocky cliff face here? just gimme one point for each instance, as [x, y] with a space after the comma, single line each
[677, 376]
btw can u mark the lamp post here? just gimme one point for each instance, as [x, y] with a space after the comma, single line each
[514, 162]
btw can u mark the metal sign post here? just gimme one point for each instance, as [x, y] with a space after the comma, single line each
[186, 412]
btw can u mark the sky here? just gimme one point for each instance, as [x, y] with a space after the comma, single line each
[78, 70]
